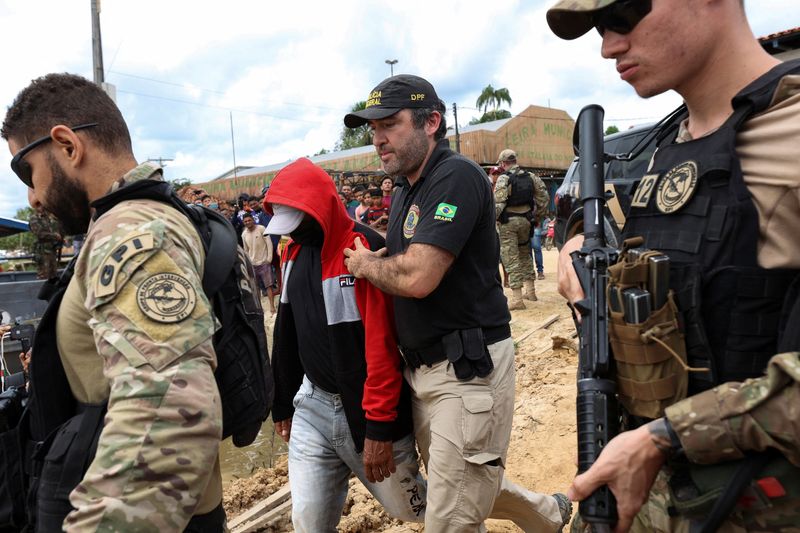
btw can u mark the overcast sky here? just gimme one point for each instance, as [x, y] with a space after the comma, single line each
[288, 71]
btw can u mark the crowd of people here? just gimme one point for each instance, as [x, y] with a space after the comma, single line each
[369, 204]
[250, 222]
[392, 337]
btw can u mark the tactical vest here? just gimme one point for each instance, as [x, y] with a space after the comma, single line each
[694, 206]
[521, 186]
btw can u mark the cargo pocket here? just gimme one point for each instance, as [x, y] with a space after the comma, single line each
[478, 428]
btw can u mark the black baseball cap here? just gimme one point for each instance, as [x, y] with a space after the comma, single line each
[403, 91]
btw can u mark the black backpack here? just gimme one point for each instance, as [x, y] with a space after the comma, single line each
[243, 374]
[521, 186]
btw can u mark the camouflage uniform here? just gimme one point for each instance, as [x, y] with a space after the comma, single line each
[48, 241]
[719, 424]
[716, 426]
[138, 287]
[516, 233]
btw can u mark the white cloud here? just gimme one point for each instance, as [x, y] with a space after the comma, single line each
[290, 70]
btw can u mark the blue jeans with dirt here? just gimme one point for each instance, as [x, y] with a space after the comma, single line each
[322, 456]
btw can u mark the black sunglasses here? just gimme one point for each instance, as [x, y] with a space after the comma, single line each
[21, 167]
[621, 17]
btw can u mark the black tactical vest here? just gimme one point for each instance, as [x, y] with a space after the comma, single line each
[694, 206]
[521, 186]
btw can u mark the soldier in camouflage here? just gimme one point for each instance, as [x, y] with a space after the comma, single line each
[48, 243]
[515, 221]
[134, 327]
[702, 440]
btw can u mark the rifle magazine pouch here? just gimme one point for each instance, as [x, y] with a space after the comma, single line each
[652, 372]
[454, 350]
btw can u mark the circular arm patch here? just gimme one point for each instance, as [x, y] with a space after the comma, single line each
[166, 297]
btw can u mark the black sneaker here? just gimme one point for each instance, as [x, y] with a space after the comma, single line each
[564, 507]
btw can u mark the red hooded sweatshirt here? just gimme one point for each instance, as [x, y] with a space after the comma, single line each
[360, 325]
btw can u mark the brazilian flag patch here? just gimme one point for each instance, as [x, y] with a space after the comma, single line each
[445, 212]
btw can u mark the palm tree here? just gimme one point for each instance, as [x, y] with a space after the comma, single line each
[494, 97]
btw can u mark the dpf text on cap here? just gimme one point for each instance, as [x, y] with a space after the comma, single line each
[403, 91]
[569, 19]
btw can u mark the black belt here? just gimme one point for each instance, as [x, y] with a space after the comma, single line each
[434, 353]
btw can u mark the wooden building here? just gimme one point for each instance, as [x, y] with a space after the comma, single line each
[541, 136]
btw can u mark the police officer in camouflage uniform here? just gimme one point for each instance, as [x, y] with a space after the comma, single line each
[516, 212]
[133, 329]
[48, 242]
[721, 198]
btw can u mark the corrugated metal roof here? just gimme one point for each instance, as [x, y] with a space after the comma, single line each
[487, 126]
[330, 156]
[10, 226]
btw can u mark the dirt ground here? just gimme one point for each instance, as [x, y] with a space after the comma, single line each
[542, 453]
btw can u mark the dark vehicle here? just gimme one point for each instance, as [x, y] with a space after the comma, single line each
[621, 180]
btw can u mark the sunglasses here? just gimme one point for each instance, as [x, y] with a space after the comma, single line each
[21, 167]
[621, 17]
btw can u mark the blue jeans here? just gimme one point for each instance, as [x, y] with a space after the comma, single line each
[322, 456]
[536, 246]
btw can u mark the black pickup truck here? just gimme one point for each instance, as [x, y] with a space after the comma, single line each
[621, 179]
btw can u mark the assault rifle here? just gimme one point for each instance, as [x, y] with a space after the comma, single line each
[598, 419]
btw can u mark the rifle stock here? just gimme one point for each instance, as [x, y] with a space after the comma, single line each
[598, 419]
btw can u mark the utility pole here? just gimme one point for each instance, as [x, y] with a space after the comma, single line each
[97, 45]
[233, 145]
[455, 121]
[159, 160]
[391, 63]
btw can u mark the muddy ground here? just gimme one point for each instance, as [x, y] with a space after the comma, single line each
[543, 443]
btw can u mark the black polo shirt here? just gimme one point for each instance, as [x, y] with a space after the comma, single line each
[450, 206]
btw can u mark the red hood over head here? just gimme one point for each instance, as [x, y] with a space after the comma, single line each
[306, 187]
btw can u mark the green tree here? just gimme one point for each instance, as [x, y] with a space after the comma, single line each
[494, 98]
[180, 183]
[491, 115]
[323, 152]
[612, 129]
[355, 137]
[25, 240]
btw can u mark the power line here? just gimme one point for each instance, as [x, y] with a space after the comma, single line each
[178, 100]
[212, 91]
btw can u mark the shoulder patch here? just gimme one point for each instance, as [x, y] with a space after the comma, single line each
[445, 212]
[410, 223]
[677, 187]
[166, 297]
[131, 245]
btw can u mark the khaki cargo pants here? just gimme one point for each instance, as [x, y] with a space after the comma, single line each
[463, 430]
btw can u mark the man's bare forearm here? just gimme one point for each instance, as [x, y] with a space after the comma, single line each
[414, 273]
[388, 274]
